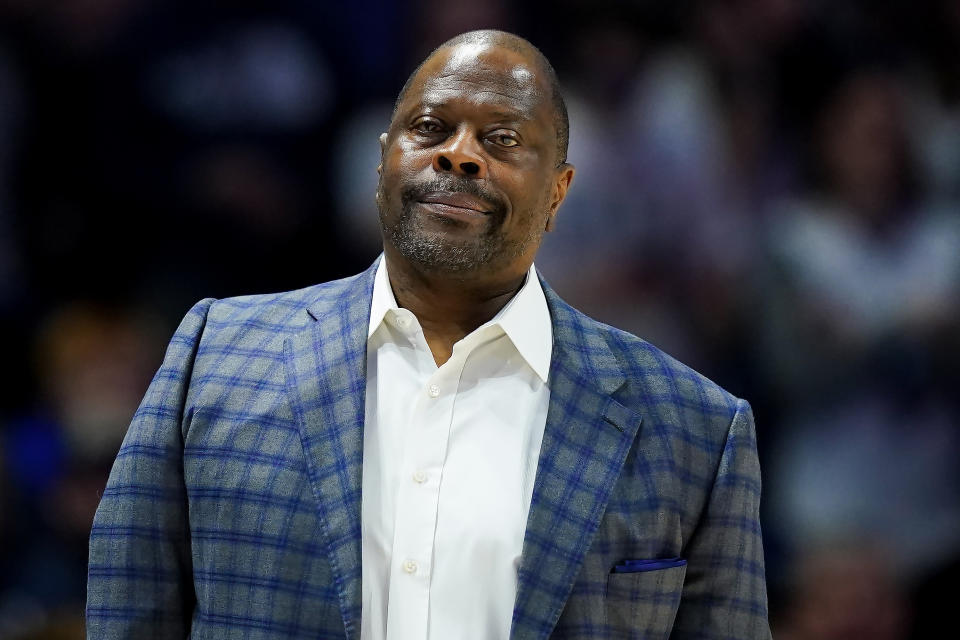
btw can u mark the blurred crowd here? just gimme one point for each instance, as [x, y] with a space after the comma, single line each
[767, 189]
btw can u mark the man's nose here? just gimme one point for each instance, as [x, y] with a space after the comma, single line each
[461, 154]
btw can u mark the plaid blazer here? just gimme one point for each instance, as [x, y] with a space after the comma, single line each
[233, 507]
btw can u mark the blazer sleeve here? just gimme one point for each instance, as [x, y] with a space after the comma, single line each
[725, 593]
[139, 579]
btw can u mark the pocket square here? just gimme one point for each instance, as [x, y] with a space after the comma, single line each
[634, 566]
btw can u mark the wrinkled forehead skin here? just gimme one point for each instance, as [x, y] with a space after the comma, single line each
[486, 72]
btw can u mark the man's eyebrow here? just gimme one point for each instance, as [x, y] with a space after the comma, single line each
[498, 114]
[511, 116]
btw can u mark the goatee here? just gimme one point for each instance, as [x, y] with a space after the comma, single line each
[442, 252]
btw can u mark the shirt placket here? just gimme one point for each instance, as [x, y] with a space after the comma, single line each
[418, 498]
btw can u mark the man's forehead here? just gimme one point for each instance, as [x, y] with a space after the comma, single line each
[484, 69]
[490, 60]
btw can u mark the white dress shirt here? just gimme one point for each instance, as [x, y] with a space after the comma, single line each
[449, 460]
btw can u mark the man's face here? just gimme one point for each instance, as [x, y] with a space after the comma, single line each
[469, 178]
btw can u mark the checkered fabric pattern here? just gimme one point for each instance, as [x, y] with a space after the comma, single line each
[233, 508]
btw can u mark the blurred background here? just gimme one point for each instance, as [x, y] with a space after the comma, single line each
[767, 189]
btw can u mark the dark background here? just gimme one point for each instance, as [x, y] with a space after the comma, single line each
[767, 189]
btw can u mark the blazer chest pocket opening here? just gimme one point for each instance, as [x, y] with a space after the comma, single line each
[643, 603]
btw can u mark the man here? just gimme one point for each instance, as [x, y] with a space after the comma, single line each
[439, 447]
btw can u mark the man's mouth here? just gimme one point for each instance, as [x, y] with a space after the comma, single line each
[457, 200]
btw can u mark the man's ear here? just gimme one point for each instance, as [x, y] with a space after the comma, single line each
[564, 177]
[383, 147]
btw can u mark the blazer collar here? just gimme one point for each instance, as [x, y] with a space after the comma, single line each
[586, 440]
[326, 380]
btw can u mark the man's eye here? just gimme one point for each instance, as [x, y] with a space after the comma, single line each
[426, 126]
[505, 140]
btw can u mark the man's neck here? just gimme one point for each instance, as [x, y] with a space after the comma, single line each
[450, 307]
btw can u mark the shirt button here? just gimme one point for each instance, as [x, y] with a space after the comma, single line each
[419, 476]
[410, 566]
[403, 321]
[434, 390]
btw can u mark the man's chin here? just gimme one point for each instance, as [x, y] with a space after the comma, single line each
[439, 254]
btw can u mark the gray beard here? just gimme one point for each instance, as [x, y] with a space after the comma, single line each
[438, 252]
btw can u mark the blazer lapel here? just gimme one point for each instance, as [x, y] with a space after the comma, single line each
[585, 441]
[326, 379]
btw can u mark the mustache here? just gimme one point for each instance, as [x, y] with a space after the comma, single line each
[415, 192]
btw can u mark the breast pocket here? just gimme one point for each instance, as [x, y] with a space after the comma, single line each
[643, 604]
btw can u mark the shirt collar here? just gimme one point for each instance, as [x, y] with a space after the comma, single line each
[525, 318]
[383, 300]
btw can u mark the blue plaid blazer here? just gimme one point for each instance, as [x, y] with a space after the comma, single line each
[233, 507]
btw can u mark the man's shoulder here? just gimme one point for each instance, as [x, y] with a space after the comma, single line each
[655, 380]
[642, 357]
[285, 310]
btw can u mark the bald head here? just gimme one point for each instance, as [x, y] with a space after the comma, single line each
[537, 61]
